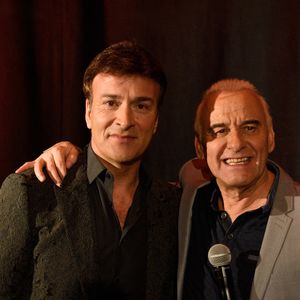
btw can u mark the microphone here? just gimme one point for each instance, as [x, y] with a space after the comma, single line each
[219, 257]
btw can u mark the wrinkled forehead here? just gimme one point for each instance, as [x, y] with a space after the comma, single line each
[237, 105]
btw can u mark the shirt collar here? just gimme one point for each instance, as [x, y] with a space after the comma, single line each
[275, 170]
[94, 167]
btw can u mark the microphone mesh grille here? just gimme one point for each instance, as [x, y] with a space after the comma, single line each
[219, 255]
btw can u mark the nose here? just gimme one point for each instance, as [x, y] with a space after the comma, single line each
[124, 116]
[235, 141]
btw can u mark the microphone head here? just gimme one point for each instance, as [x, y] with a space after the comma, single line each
[219, 255]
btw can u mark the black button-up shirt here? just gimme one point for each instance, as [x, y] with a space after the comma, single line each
[243, 237]
[121, 253]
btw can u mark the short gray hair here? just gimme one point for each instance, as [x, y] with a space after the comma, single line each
[226, 85]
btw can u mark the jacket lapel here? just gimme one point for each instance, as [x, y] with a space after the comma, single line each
[73, 201]
[184, 230]
[276, 231]
[162, 225]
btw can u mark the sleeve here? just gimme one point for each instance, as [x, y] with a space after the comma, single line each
[16, 259]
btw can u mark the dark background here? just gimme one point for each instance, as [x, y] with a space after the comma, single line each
[46, 45]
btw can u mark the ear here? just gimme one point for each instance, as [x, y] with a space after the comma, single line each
[155, 125]
[198, 148]
[271, 140]
[88, 108]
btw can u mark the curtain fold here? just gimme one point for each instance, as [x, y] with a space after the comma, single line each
[46, 45]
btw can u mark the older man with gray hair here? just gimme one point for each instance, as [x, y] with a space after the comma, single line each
[251, 208]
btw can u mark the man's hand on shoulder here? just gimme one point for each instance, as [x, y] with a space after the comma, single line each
[57, 159]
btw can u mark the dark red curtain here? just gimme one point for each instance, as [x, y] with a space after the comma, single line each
[44, 49]
[46, 45]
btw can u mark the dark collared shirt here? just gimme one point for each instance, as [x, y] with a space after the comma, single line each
[243, 237]
[121, 253]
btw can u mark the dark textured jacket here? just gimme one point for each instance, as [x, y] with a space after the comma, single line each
[46, 239]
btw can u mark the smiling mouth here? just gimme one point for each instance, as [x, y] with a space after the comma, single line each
[123, 137]
[236, 161]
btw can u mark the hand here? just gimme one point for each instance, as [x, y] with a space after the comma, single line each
[57, 159]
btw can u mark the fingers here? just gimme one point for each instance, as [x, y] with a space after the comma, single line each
[72, 156]
[38, 166]
[56, 160]
[26, 166]
[51, 163]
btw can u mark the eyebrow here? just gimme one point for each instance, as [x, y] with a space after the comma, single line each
[246, 122]
[116, 97]
[111, 96]
[143, 99]
[217, 125]
[256, 122]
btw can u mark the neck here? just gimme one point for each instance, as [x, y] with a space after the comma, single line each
[124, 174]
[237, 201]
[126, 180]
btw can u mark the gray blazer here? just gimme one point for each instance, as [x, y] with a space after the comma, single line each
[47, 241]
[277, 274]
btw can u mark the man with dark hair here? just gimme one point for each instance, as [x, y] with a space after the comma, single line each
[109, 231]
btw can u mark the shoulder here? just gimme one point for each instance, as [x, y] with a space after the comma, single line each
[78, 172]
[23, 196]
[286, 184]
[16, 186]
[287, 197]
[17, 222]
[202, 195]
[17, 180]
[194, 173]
[13, 198]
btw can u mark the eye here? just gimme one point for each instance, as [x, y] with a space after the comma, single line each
[217, 132]
[143, 106]
[249, 128]
[221, 132]
[111, 104]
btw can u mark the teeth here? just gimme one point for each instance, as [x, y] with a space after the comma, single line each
[236, 161]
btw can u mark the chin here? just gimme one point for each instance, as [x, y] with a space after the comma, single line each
[127, 160]
[237, 181]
